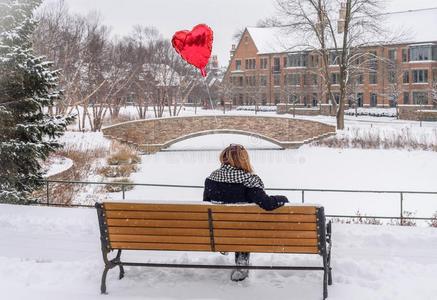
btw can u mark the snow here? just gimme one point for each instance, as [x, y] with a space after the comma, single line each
[304, 168]
[81, 141]
[54, 253]
[56, 165]
[409, 26]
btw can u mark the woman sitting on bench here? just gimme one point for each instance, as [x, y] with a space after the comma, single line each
[235, 182]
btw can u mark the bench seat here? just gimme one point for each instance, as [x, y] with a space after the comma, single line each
[298, 229]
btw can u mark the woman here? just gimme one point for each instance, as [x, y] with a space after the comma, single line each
[235, 182]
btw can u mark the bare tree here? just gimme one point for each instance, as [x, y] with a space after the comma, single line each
[335, 41]
[434, 92]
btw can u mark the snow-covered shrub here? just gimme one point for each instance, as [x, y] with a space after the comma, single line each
[115, 188]
[118, 171]
[258, 108]
[433, 222]
[406, 221]
[372, 112]
[359, 219]
[123, 155]
[382, 138]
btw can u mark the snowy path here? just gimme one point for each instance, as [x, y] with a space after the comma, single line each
[53, 253]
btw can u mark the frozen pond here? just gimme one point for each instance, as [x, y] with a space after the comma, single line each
[191, 161]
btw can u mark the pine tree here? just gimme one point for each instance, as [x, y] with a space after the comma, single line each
[28, 87]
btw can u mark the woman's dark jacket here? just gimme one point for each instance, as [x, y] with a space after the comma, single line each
[229, 185]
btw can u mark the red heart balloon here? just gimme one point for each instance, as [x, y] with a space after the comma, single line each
[194, 46]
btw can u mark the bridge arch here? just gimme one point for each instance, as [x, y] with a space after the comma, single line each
[152, 135]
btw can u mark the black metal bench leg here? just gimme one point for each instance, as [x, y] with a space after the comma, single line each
[325, 275]
[103, 283]
[121, 272]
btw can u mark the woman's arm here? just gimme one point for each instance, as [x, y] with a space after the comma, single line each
[259, 196]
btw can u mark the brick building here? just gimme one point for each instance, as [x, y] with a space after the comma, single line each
[268, 67]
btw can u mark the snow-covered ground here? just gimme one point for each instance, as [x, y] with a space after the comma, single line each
[52, 253]
[56, 164]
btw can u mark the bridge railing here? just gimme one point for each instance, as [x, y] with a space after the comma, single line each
[46, 199]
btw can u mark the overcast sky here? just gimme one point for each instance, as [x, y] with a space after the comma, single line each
[168, 16]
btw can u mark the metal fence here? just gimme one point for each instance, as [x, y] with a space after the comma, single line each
[302, 191]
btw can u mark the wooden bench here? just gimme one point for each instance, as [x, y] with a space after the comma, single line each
[213, 228]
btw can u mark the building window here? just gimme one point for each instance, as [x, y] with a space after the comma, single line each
[250, 80]
[263, 98]
[314, 99]
[373, 78]
[334, 57]
[285, 61]
[392, 54]
[310, 79]
[373, 99]
[277, 98]
[263, 62]
[292, 79]
[418, 53]
[406, 77]
[276, 64]
[360, 99]
[237, 80]
[405, 55]
[391, 76]
[276, 80]
[335, 78]
[263, 80]
[360, 78]
[297, 60]
[313, 61]
[250, 63]
[434, 75]
[406, 98]
[293, 98]
[420, 98]
[420, 76]
[373, 60]
[238, 64]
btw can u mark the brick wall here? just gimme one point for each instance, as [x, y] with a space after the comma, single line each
[413, 112]
[155, 134]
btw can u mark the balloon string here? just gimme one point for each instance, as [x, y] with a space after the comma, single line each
[210, 101]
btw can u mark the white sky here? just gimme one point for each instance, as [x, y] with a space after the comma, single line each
[169, 16]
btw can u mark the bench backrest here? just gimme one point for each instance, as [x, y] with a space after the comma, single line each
[210, 227]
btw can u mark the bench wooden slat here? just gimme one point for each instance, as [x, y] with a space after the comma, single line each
[218, 241]
[264, 241]
[264, 217]
[158, 231]
[246, 209]
[195, 216]
[159, 239]
[158, 223]
[160, 246]
[265, 233]
[267, 249]
[264, 225]
[219, 248]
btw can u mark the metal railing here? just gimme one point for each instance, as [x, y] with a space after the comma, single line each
[123, 185]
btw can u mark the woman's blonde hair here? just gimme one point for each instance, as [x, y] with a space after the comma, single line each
[236, 156]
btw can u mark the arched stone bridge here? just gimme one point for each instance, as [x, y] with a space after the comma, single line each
[152, 135]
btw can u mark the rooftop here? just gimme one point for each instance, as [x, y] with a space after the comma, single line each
[412, 26]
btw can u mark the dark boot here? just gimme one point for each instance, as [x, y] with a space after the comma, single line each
[241, 259]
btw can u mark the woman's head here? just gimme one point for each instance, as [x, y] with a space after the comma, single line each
[236, 156]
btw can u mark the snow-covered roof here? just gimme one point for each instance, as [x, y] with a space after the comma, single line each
[413, 26]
